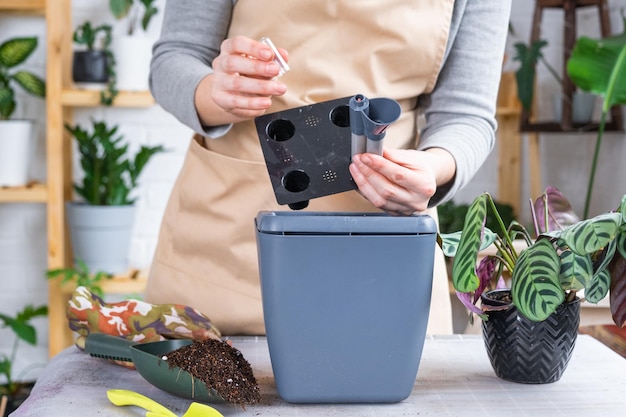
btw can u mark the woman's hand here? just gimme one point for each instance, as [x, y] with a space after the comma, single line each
[401, 182]
[242, 84]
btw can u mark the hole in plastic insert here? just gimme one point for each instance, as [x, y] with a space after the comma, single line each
[296, 181]
[340, 116]
[280, 130]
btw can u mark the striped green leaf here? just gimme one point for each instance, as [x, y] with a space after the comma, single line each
[606, 256]
[450, 241]
[31, 83]
[599, 287]
[576, 271]
[535, 285]
[620, 241]
[464, 276]
[15, 51]
[622, 209]
[591, 235]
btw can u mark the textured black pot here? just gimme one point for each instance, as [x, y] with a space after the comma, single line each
[525, 351]
[15, 400]
[90, 67]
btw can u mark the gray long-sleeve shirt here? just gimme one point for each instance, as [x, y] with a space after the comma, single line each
[459, 113]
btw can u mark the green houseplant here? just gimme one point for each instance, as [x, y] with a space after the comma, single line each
[529, 56]
[133, 50]
[137, 15]
[599, 66]
[15, 135]
[564, 255]
[81, 276]
[110, 176]
[96, 63]
[21, 325]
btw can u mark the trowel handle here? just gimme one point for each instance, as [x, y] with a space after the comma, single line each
[122, 397]
[106, 346]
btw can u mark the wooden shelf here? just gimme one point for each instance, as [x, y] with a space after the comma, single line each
[566, 124]
[559, 3]
[556, 127]
[91, 98]
[23, 6]
[61, 100]
[32, 193]
[134, 281]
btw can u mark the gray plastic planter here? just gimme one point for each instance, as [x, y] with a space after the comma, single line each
[100, 235]
[346, 300]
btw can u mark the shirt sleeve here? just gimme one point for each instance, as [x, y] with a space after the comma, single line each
[460, 112]
[191, 35]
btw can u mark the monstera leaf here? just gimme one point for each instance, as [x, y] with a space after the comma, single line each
[599, 66]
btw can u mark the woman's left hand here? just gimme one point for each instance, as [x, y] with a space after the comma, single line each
[401, 182]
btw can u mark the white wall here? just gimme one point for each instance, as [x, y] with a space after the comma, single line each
[565, 162]
[565, 158]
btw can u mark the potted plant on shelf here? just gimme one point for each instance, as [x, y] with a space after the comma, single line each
[14, 391]
[16, 135]
[81, 276]
[94, 66]
[530, 304]
[133, 50]
[101, 224]
[529, 56]
[599, 66]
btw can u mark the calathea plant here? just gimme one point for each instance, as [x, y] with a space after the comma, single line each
[110, 174]
[563, 257]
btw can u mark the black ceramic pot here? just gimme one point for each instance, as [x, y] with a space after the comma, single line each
[15, 400]
[525, 351]
[90, 67]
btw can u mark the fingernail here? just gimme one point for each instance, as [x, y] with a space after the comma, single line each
[365, 159]
[280, 88]
[272, 67]
[266, 54]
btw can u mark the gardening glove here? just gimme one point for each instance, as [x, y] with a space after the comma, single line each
[135, 320]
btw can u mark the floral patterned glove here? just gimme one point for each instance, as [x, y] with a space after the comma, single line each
[136, 320]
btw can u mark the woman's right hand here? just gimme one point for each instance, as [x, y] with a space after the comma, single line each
[242, 84]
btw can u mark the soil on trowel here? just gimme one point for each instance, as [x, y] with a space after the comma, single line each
[221, 367]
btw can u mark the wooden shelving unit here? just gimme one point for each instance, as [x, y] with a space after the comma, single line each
[134, 281]
[32, 193]
[569, 8]
[61, 98]
[89, 98]
[23, 6]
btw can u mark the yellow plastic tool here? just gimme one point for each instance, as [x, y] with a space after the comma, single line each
[121, 397]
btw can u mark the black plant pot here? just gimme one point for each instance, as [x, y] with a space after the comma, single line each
[525, 351]
[90, 67]
[16, 399]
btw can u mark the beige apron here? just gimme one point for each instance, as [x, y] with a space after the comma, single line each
[206, 255]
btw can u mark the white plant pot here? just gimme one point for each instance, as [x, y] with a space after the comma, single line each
[582, 106]
[16, 137]
[101, 235]
[132, 56]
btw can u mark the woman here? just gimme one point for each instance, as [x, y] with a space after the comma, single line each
[441, 58]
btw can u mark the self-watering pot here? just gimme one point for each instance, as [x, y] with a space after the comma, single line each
[346, 298]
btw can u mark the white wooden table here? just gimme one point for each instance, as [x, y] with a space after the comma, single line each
[454, 379]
